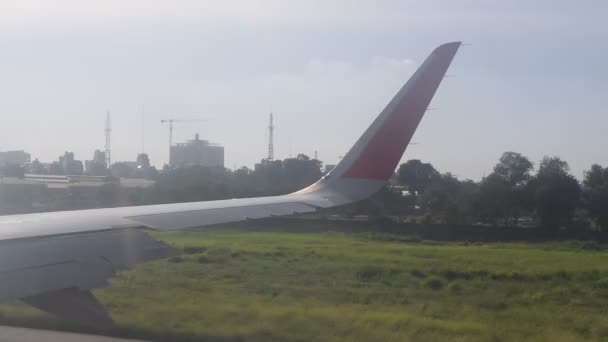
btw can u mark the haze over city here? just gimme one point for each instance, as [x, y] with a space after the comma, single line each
[324, 69]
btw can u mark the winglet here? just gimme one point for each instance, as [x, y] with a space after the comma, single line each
[376, 154]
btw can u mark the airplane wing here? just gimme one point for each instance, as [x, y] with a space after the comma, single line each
[53, 260]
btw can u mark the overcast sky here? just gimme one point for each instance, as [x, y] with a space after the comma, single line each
[534, 80]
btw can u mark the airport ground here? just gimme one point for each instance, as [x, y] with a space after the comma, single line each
[313, 280]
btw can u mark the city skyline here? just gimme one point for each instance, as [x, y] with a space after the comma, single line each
[532, 81]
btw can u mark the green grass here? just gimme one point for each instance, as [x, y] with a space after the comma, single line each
[240, 284]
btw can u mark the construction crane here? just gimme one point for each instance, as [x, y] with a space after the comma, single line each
[270, 139]
[108, 136]
[171, 121]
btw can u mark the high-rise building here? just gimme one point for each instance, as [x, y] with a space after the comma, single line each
[14, 158]
[97, 166]
[99, 157]
[143, 161]
[69, 165]
[197, 152]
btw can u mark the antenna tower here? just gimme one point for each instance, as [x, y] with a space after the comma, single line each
[143, 131]
[270, 139]
[108, 149]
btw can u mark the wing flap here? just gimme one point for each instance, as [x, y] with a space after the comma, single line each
[84, 261]
[72, 304]
[84, 274]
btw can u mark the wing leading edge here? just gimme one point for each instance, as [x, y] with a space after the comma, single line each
[58, 257]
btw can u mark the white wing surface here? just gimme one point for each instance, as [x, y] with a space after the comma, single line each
[53, 260]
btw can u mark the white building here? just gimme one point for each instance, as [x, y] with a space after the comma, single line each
[197, 152]
[14, 158]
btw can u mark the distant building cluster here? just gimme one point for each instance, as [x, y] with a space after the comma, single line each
[194, 152]
[197, 152]
[19, 164]
[67, 164]
[51, 186]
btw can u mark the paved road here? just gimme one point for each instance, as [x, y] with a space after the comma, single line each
[12, 334]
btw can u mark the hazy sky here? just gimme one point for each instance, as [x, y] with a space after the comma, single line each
[534, 80]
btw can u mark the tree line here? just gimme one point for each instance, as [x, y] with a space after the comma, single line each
[515, 193]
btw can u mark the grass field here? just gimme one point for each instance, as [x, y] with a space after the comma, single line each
[297, 284]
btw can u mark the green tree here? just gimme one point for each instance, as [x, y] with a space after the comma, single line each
[595, 195]
[122, 170]
[416, 175]
[269, 177]
[17, 199]
[504, 195]
[300, 172]
[514, 168]
[494, 199]
[556, 193]
[449, 199]
[195, 183]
